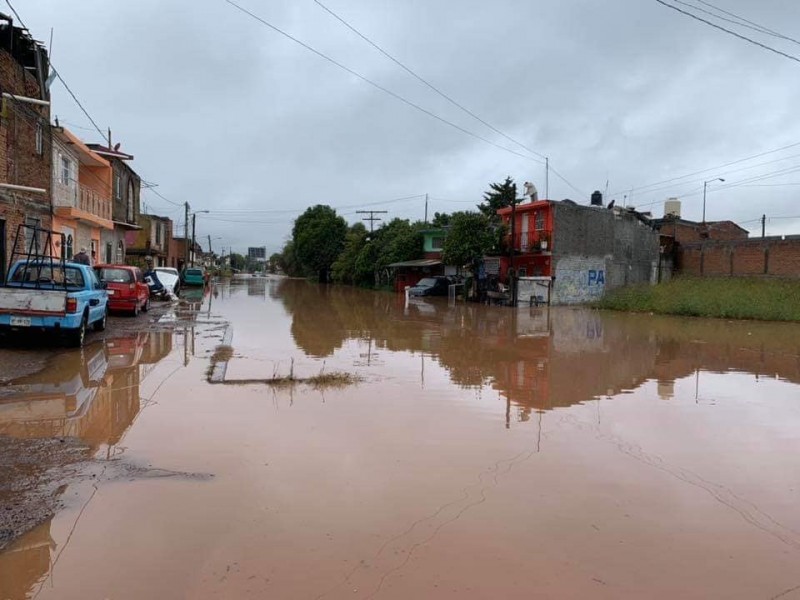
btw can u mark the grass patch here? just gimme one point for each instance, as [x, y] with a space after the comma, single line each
[318, 382]
[723, 298]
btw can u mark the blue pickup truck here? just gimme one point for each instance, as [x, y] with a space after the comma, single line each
[64, 299]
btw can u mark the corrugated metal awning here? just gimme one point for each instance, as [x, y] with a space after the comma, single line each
[422, 262]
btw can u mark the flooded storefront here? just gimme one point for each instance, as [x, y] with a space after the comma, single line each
[479, 452]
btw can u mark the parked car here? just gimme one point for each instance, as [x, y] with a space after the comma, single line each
[170, 278]
[195, 276]
[62, 299]
[127, 290]
[431, 286]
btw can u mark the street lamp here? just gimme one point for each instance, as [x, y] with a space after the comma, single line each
[705, 186]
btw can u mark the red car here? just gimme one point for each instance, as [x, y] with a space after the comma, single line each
[127, 289]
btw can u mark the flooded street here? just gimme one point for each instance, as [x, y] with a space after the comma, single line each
[483, 453]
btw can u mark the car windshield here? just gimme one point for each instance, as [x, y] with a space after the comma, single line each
[194, 272]
[46, 274]
[114, 275]
[169, 270]
[427, 282]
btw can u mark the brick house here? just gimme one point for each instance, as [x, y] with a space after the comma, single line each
[152, 238]
[683, 231]
[584, 250]
[25, 140]
[126, 187]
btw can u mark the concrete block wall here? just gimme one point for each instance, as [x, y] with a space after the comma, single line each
[596, 249]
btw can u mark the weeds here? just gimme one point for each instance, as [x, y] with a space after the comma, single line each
[725, 298]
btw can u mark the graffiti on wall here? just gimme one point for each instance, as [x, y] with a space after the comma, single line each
[579, 279]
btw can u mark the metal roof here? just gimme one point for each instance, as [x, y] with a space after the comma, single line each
[422, 262]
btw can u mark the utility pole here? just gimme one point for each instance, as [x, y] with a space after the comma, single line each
[194, 219]
[186, 235]
[763, 226]
[371, 218]
[546, 178]
[426, 209]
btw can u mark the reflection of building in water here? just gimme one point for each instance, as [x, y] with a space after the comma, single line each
[91, 394]
[25, 562]
[536, 358]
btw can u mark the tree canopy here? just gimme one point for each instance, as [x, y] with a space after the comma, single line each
[319, 237]
[500, 195]
[470, 237]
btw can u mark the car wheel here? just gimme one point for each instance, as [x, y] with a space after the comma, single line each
[146, 306]
[101, 324]
[78, 336]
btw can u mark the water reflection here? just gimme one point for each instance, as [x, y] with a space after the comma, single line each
[537, 358]
[91, 394]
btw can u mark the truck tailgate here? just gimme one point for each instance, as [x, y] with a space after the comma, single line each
[22, 300]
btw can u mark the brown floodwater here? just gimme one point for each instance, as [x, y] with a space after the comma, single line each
[485, 453]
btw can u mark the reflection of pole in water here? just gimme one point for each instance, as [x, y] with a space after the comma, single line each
[422, 373]
[193, 341]
[696, 385]
[185, 348]
[539, 436]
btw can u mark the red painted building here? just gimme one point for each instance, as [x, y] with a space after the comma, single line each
[532, 239]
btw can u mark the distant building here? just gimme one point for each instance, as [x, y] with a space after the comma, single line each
[257, 254]
[584, 250]
[25, 139]
[152, 239]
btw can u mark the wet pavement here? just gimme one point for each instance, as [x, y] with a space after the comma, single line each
[485, 453]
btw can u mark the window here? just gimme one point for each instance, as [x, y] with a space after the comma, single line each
[159, 227]
[68, 251]
[113, 275]
[437, 243]
[39, 139]
[131, 202]
[66, 170]
[117, 187]
[109, 253]
[120, 253]
[539, 220]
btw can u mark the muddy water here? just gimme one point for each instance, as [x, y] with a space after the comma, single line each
[487, 453]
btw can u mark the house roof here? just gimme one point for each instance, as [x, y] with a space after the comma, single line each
[422, 262]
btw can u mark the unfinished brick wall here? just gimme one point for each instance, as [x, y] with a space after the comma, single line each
[24, 159]
[771, 256]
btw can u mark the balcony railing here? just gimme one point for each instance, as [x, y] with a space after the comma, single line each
[94, 203]
[531, 241]
[84, 198]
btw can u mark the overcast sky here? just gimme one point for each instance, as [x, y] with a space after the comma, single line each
[227, 114]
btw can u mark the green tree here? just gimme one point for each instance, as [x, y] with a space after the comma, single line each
[344, 269]
[440, 220]
[470, 237]
[319, 237]
[500, 195]
[238, 261]
[287, 261]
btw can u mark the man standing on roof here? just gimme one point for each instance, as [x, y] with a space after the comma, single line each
[82, 258]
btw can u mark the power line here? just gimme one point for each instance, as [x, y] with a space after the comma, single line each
[739, 23]
[442, 94]
[425, 81]
[728, 164]
[733, 33]
[765, 30]
[377, 85]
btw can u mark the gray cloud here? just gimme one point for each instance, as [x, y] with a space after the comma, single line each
[226, 114]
